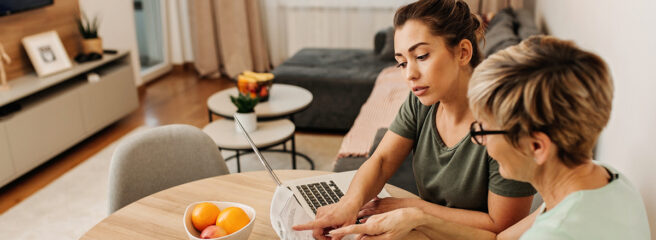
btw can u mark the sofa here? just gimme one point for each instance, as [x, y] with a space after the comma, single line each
[340, 81]
[508, 27]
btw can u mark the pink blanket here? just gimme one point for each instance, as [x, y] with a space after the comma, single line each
[389, 92]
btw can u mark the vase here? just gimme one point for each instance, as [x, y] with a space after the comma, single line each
[92, 45]
[248, 121]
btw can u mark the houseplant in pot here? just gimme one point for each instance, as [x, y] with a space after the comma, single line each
[91, 43]
[245, 112]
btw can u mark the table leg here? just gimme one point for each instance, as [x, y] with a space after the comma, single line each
[293, 151]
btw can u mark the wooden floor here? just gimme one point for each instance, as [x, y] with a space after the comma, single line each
[178, 97]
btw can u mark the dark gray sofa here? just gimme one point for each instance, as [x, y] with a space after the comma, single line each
[507, 28]
[340, 81]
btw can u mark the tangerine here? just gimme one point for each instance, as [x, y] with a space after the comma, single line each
[203, 215]
[232, 219]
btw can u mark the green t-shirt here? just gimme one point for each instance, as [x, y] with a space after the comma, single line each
[614, 211]
[457, 177]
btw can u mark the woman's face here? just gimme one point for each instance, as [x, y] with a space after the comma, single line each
[430, 69]
[513, 163]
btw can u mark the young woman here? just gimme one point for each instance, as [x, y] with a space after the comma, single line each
[435, 45]
[540, 107]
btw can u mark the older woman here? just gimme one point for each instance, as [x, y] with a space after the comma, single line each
[540, 107]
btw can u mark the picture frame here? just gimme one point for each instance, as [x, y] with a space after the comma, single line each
[47, 53]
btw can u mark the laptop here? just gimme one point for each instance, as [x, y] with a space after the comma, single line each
[313, 192]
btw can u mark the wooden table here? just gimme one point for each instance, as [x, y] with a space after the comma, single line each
[159, 216]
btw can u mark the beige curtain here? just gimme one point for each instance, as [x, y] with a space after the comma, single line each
[227, 37]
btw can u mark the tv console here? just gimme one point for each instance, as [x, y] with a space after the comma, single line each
[42, 117]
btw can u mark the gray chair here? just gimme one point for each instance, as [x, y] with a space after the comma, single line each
[160, 158]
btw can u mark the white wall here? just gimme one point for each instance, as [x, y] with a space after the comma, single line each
[117, 27]
[623, 34]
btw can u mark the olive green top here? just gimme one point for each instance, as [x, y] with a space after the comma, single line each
[458, 176]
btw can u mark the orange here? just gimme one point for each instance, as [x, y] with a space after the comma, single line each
[203, 215]
[232, 219]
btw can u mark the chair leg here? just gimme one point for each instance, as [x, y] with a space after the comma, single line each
[238, 163]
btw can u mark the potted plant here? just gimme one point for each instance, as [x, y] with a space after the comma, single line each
[245, 112]
[91, 43]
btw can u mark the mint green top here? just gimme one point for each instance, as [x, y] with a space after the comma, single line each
[458, 176]
[615, 211]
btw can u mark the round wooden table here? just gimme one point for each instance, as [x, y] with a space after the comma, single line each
[159, 216]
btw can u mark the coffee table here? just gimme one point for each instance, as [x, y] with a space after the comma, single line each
[267, 135]
[160, 215]
[284, 101]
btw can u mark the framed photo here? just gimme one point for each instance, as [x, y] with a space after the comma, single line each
[46, 53]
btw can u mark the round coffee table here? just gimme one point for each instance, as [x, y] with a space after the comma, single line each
[284, 101]
[267, 135]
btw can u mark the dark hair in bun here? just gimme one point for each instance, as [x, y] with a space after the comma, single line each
[450, 19]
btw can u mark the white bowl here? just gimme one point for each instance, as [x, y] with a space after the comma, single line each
[242, 234]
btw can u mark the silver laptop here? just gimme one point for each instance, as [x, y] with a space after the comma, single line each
[312, 192]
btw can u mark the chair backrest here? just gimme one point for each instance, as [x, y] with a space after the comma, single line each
[160, 158]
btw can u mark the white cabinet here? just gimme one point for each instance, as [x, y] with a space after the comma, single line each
[107, 100]
[53, 113]
[41, 130]
[7, 169]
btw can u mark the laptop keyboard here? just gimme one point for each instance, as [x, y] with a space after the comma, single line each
[320, 194]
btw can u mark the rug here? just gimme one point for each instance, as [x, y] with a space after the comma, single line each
[75, 202]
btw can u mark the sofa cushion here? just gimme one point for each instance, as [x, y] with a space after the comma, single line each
[501, 32]
[387, 52]
[526, 22]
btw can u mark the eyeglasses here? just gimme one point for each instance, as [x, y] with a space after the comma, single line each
[478, 134]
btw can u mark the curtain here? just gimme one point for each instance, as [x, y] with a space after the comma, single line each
[227, 37]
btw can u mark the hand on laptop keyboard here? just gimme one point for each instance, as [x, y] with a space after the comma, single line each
[342, 213]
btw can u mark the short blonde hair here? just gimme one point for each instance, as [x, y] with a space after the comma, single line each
[545, 85]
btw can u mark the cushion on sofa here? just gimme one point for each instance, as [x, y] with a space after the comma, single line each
[526, 22]
[500, 32]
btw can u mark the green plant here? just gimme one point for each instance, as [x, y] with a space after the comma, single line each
[88, 29]
[245, 104]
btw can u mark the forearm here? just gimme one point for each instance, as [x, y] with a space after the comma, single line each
[469, 218]
[368, 181]
[437, 228]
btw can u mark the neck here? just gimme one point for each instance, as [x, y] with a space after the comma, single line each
[456, 105]
[555, 181]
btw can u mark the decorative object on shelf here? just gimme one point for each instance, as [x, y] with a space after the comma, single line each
[46, 53]
[245, 111]
[91, 43]
[255, 84]
[4, 58]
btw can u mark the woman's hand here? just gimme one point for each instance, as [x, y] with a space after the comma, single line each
[390, 225]
[340, 214]
[383, 205]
